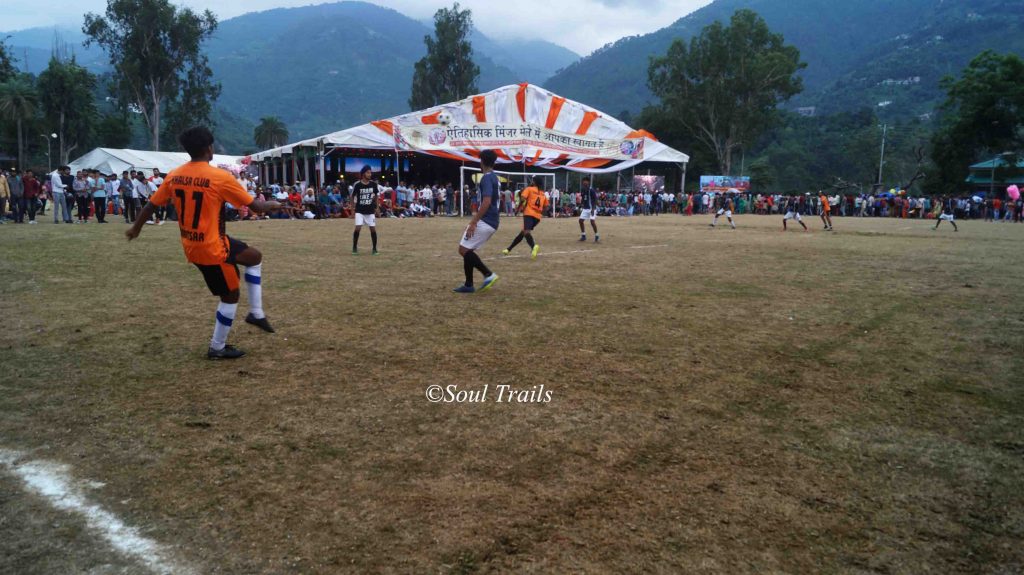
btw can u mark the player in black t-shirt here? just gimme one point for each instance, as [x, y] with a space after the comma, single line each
[364, 200]
[793, 213]
[947, 214]
[724, 204]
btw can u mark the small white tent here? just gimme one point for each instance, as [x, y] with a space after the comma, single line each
[114, 161]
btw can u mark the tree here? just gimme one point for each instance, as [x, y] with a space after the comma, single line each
[270, 133]
[66, 95]
[725, 87]
[447, 73]
[7, 69]
[194, 104]
[115, 127]
[983, 116]
[18, 103]
[113, 131]
[154, 49]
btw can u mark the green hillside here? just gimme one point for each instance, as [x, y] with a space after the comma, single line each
[904, 72]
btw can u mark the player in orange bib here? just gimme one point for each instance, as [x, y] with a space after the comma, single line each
[826, 211]
[199, 192]
[532, 203]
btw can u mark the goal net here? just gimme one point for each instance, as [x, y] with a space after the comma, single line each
[516, 182]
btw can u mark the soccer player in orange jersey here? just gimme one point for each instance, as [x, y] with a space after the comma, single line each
[826, 211]
[532, 202]
[200, 192]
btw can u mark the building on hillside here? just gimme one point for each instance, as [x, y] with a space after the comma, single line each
[993, 176]
[807, 111]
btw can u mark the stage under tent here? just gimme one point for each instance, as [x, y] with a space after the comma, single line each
[530, 128]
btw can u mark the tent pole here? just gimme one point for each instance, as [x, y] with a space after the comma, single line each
[398, 169]
[321, 171]
[462, 186]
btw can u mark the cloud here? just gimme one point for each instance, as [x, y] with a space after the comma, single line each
[580, 25]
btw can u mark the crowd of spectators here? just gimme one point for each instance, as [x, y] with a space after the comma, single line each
[628, 203]
[92, 196]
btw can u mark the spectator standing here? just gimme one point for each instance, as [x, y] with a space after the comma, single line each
[17, 197]
[142, 191]
[44, 192]
[506, 198]
[113, 193]
[131, 204]
[99, 197]
[32, 190]
[162, 212]
[58, 187]
[5, 196]
[81, 192]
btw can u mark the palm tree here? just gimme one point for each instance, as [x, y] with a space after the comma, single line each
[270, 133]
[18, 101]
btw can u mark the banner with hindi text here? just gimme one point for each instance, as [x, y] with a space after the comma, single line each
[514, 139]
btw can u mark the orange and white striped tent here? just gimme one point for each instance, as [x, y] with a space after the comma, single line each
[523, 123]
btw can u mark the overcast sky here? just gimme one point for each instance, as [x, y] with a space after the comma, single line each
[580, 25]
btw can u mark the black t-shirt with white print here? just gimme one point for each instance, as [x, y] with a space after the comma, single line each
[365, 196]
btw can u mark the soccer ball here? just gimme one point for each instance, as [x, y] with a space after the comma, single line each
[444, 118]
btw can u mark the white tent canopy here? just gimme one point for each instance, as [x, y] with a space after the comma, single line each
[114, 161]
[559, 133]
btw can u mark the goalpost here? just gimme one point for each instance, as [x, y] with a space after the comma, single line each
[516, 181]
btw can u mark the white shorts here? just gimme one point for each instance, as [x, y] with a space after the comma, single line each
[727, 213]
[366, 219]
[480, 236]
[793, 216]
[946, 217]
[588, 214]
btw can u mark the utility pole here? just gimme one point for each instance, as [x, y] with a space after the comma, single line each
[992, 181]
[881, 160]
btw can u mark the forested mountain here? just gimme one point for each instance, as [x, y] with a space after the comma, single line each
[859, 53]
[330, 66]
[319, 68]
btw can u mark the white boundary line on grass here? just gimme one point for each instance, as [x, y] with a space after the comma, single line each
[569, 252]
[52, 482]
[547, 254]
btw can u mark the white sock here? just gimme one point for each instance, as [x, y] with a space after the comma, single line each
[254, 283]
[221, 327]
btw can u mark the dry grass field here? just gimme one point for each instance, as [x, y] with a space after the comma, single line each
[721, 401]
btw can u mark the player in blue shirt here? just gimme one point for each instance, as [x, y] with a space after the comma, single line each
[481, 227]
[588, 210]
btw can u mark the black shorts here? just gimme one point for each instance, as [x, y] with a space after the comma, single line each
[223, 278]
[530, 222]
